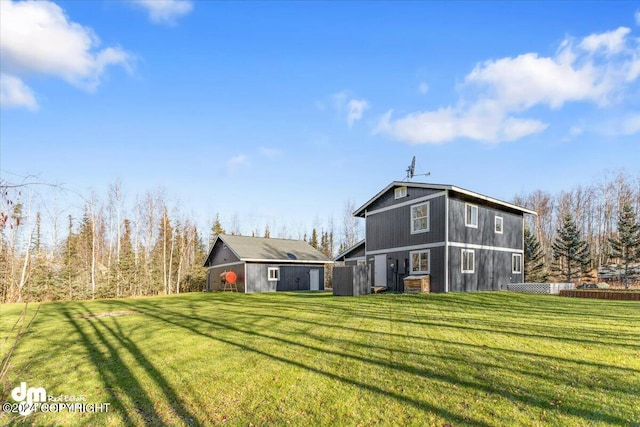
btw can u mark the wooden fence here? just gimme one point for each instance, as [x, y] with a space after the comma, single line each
[613, 295]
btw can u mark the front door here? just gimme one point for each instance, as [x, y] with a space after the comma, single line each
[314, 280]
[380, 267]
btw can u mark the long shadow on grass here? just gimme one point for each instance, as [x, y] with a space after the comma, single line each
[113, 370]
[375, 389]
[569, 332]
[530, 399]
[459, 326]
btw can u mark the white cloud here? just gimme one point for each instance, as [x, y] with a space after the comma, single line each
[15, 94]
[496, 92]
[637, 16]
[611, 42]
[446, 124]
[355, 109]
[38, 38]
[423, 88]
[237, 162]
[343, 103]
[166, 11]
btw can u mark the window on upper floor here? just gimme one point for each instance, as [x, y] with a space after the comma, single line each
[420, 218]
[420, 261]
[470, 215]
[468, 260]
[499, 225]
[400, 192]
[516, 263]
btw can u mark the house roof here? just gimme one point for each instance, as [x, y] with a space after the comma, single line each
[353, 248]
[362, 209]
[260, 249]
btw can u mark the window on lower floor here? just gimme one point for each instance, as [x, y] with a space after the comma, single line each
[516, 264]
[420, 261]
[273, 273]
[468, 260]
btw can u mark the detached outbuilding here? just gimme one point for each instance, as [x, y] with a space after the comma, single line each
[265, 265]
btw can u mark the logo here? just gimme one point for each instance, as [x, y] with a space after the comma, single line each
[29, 396]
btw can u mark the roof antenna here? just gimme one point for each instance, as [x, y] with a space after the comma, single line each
[411, 170]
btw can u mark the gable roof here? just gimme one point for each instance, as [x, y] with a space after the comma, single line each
[362, 209]
[261, 249]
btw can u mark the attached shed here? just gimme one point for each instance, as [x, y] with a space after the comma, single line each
[265, 264]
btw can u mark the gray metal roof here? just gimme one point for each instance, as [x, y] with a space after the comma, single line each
[268, 250]
[362, 209]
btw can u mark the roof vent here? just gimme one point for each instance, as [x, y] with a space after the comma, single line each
[291, 256]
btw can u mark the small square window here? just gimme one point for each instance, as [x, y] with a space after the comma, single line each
[400, 192]
[468, 260]
[273, 273]
[471, 215]
[499, 224]
[516, 264]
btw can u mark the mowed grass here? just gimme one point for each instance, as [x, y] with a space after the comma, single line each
[482, 359]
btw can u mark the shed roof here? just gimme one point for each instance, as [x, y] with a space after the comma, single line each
[362, 209]
[343, 255]
[261, 249]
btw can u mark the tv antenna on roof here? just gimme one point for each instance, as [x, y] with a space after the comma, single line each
[411, 170]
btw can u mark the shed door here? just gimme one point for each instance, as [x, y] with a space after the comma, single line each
[380, 267]
[314, 280]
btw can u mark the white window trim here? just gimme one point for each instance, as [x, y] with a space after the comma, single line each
[473, 266]
[428, 252]
[495, 226]
[513, 264]
[400, 192]
[276, 270]
[466, 223]
[426, 230]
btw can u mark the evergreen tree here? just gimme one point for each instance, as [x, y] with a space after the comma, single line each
[267, 233]
[314, 239]
[626, 248]
[325, 247]
[216, 229]
[127, 265]
[534, 269]
[570, 252]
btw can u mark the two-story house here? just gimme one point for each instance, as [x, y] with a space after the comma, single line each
[463, 240]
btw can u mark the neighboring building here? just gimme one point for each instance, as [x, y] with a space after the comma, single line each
[463, 240]
[265, 265]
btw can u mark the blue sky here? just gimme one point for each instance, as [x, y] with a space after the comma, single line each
[279, 112]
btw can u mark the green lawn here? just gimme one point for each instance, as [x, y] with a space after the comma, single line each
[485, 359]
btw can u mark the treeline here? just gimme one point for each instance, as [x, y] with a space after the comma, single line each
[595, 209]
[115, 247]
[112, 247]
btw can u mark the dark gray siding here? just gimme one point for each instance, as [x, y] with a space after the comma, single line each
[213, 277]
[293, 277]
[485, 233]
[221, 254]
[398, 265]
[356, 253]
[392, 228]
[492, 271]
[388, 198]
